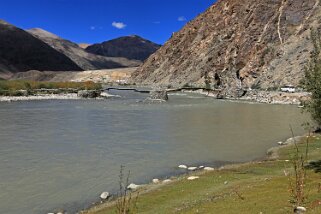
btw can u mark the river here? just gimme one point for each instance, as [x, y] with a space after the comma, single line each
[63, 154]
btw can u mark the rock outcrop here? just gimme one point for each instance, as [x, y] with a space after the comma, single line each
[236, 45]
[88, 93]
[130, 47]
[158, 95]
[78, 55]
[20, 51]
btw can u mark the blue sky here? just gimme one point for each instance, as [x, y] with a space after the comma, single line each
[92, 21]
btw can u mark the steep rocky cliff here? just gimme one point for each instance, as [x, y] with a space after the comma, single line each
[237, 44]
[20, 51]
[83, 59]
[130, 47]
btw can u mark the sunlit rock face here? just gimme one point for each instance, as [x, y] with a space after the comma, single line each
[237, 44]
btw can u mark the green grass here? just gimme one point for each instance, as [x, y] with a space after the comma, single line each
[251, 188]
[12, 87]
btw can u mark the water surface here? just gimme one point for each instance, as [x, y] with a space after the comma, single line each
[63, 154]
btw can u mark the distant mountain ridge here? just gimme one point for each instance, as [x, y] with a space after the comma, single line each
[83, 45]
[78, 55]
[130, 47]
[20, 51]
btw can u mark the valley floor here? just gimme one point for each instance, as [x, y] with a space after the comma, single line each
[257, 187]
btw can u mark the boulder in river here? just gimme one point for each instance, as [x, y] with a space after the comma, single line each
[158, 95]
[88, 93]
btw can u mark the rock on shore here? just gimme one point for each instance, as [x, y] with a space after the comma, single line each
[104, 195]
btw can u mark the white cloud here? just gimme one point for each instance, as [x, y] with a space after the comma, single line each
[95, 27]
[181, 19]
[119, 25]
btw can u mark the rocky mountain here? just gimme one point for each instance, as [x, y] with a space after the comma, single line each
[78, 55]
[236, 45]
[83, 45]
[20, 51]
[130, 47]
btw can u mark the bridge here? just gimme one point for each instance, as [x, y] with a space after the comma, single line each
[148, 91]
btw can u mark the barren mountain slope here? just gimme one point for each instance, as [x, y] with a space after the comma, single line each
[238, 44]
[77, 54]
[20, 51]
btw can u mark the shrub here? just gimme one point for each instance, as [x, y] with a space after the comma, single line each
[15, 85]
[125, 203]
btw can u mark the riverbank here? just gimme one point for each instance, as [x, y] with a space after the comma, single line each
[267, 97]
[62, 96]
[254, 187]
[71, 96]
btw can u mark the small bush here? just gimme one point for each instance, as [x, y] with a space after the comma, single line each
[11, 87]
[126, 203]
[298, 179]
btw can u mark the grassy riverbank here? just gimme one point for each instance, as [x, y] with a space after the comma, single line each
[258, 187]
[14, 87]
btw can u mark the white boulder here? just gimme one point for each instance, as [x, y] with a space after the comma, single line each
[192, 168]
[133, 186]
[156, 181]
[191, 178]
[167, 181]
[300, 210]
[104, 195]
[209, 169]
[182, 166]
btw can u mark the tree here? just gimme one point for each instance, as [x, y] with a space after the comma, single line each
[312, 79]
